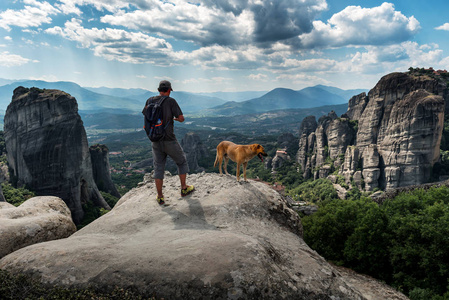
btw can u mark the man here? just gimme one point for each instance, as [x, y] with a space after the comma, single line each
[169, 145]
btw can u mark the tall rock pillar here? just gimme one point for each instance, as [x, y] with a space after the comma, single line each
[47, 148]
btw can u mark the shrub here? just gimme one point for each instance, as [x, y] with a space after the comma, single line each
[404, 242]
[16, 196]
[314, 191]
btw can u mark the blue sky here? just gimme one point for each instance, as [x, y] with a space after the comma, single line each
[217, 45]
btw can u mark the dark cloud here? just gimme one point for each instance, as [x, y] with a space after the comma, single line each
[281, 20]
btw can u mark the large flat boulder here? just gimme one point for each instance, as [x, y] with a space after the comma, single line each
[37, 220]
[227, 240]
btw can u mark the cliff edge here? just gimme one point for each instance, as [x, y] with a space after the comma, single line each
[227, 240]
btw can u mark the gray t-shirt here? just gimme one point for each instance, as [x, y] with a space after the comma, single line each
[170, 109]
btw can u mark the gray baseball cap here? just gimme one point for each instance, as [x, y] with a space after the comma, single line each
[165, 84]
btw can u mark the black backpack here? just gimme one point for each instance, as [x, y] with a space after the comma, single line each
[153, 120]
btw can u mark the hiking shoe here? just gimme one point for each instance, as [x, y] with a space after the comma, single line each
[160, 200]
[188, 190]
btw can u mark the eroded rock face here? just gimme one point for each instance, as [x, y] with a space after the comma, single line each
[100, 169]
[396, 129]
[306, 145]
[194, 150]
[47, 147]
[279, 159]
[37, 220]
[227, 240]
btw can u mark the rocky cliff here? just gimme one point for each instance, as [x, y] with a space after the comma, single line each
[194, 149]
[227, 240]
[387, 139]
[47, 148]
[100, 168]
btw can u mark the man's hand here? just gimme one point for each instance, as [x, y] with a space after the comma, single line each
[179, 119]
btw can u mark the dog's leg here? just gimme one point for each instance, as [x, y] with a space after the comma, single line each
[226, 160]
[244, 170]
[219, 165]
[238, 172]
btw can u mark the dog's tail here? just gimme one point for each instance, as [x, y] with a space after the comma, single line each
[216, 160]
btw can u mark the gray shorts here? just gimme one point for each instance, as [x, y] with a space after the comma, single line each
[173, 149]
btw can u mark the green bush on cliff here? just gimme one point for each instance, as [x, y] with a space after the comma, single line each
[404, 241]
[315, 191]
[16, 196]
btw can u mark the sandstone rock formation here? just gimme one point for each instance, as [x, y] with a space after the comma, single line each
[47, 147]
[279, 159]
[227, 240]
[37, 220]
[100, 168]
[387, 139]
[194, 150]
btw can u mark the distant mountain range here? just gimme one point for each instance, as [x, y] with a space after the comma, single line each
[282, 98]
[128, 101]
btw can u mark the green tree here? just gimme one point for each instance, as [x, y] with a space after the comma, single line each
[16, 196]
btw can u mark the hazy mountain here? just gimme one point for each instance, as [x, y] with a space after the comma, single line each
[189, 102]
[87, 100]
[235, 96]
[277, 99]
[346, 94]
[119, 92]
[113, 101]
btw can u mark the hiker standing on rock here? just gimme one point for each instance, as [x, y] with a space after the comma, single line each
[165, 143]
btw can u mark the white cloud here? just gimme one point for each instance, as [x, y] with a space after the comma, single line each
[71, 6]
[399, 57]
[49, 78]
[445, 26]
[301, 79]
[224, 58]
[117, 44]
[12, 60]
[307, 65]
[32, 15]
[141, 76]
[355, 25]
[226, 23]
[8, 38]
[258, 77]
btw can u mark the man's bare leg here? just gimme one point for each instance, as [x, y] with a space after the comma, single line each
[182, 178]
[159, 184]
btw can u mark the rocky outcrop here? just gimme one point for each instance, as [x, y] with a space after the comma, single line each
[306, 145]
[101, 170]
[47, 148]
[394, 134]
[287, 141]
[225, 241]
[194, 150]
[279, 159]
[37, 220]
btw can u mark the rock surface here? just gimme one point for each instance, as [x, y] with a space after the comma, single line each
[279, 159]
[227, 240]
[101, 169]
[394, 133]
[47, 148]
[194, 150]
[37, 220]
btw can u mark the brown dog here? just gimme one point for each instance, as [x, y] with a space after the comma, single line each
[240, 154]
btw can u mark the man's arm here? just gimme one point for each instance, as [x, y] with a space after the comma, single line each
[180, 118]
